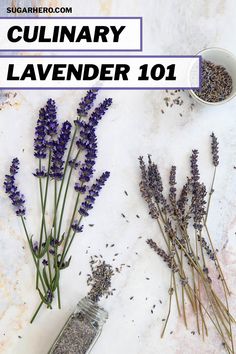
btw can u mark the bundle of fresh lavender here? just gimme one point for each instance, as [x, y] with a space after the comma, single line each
[56, 165]
[189, 251]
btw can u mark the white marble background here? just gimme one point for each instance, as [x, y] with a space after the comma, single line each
[133, 126]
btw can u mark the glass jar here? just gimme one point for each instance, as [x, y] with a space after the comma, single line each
[81, 330]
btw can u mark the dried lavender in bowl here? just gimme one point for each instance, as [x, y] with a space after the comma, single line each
[60, 151]
[217, 84]
[186, 245]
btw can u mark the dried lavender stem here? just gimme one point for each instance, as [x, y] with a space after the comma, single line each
[210, 195]
[182, 292]
[198, 285]
[208, 234]
[195, 299]
[200, 272]
[216, 258]
[212, 320]
[170, 302]
[176, 295]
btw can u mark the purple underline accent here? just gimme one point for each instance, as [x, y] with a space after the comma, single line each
[100, 88]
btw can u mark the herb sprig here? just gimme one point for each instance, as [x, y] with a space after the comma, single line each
[189, 250]
[59, 157]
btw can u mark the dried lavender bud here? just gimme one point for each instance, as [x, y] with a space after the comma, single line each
[183, 200]
[194, 166]
[145, 190]
[155, 183]
[166, 258]
[11, 189]
[100, 279]
[172, 183]
[216, 83]
[207, 248]
[154, 177]
[198, 206]
[59, 148]
[214, 150]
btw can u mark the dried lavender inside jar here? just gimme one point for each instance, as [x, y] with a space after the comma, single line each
[81, 330]
[217, 84]
[85, 325]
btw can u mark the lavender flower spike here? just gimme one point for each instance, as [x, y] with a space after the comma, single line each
[58, 152]
[11, 189]
[40, 146]
[87, 102]
[93, 193]
[51, 118]
[99, 112]
[214, 150]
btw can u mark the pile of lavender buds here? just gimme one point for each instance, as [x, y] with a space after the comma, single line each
[196, 276]
[60, 152]
[217, 84]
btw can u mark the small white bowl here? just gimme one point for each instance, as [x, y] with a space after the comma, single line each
[222, 57]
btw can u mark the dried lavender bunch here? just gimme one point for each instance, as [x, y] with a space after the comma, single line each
[189, 247]
[61, 151]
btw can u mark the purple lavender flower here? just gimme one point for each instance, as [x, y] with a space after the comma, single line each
[93, 193]
[11, 189]
[214, 150]
[45, 129]
[87, 102]
[58, 152]
[40, 173]
[44, 262]
[99, 112]
[73, 164]
[77, 227]
[51, 118]
[40, 146]
[79, 187]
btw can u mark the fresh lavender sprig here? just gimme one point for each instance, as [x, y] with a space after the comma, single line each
[40, 146]
[51, 118]
[93, 193]
[87, 102]
[11, 189]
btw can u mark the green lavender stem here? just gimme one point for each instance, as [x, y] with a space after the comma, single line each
[44, 201]
[65, 195]
[65, 169]
[28, 239]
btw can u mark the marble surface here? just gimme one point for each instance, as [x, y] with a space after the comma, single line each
[134, 126]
